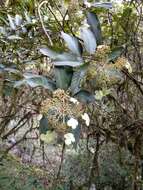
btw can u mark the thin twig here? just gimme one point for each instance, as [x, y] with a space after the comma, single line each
[15, 144]
[42, 23]
[62, 159]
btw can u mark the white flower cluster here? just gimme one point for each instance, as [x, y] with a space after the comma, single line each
[73, 123]
[69, 138]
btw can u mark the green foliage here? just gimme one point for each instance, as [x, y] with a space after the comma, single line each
[77, 79]
[63, 77]
[36, 81]
[87, 35]
[44, 125]
[115, 53]
[94, 23]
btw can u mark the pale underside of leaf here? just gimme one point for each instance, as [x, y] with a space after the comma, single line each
[72, 43]
[89, 40]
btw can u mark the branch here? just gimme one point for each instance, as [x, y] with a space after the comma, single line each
[42, 23]
[62, 158]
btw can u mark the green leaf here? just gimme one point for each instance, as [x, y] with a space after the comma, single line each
[116, 52]
[2, 30]
[85, 97]
[35, 81]
[41, 81]
[43, 126]
[94, 23]
[63, 77]
[18, 84]
[63, 59]
[72, 43]
[27, 17]
[48, 52]
[2, 66]
[18, 20]
[67, 59]
[77, 78]
[14, 37]
[12, 70]
[76, 132]
[11, 22]
[106, 5]
[114, 75]
[89, 40]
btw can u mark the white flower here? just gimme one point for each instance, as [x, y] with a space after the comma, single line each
[73, 100]
[85, 117]
[69, 138]
[72, 123]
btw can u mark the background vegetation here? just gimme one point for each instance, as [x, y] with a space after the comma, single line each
[71, 92]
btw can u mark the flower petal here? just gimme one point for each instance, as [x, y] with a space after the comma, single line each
[72, 123]
[85, 117]
[73, 100]
[69, 138]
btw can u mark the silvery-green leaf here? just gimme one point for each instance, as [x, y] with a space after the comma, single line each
[78, 75]
[85, 97]
[2, 66]
[114, 74]
[89, 40]
[24, 30]
[11, 22]
[43, 125]
[29, 75]
[106, 5]
[67, 59]
[72, 43]
[27, 17]
[14, 37]
[68, 63]
[48, 52]
[35, 81]
[12, 70]
[18, 84]
[77, 133]
[63, 59]
[18, 20]
[93, 21]
[2, 30]
[63, 77]
[115, 53]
